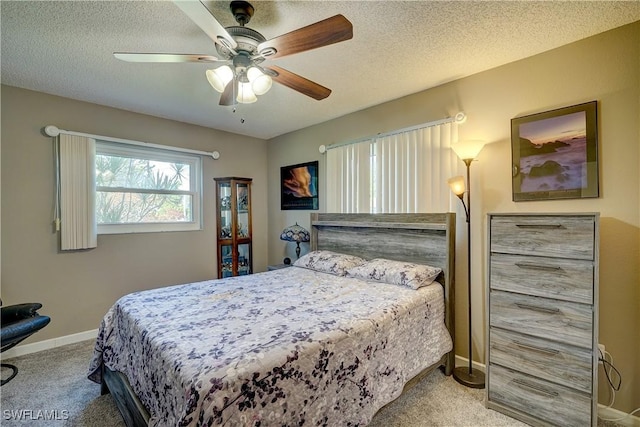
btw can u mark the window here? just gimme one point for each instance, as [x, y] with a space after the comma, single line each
[400, 172]
[140, 189]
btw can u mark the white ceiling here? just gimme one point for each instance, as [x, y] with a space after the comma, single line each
[66, 48]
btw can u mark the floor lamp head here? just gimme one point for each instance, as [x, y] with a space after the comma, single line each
[468, 150]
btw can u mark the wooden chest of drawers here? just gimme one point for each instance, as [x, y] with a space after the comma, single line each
[542, 328]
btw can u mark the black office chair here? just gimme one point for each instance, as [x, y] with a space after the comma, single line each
[18, 322]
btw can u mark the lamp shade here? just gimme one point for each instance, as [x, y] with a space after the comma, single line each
[457, 184]
[260, 82]
[468, 149]
[295, 233]
[245, 93]
[219, 77]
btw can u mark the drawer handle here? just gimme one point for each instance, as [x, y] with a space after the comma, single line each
[536, 308]
[549, 351]
[539, 225]
[538, 266]
[535, 387]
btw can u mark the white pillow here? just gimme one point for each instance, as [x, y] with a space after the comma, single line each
[408, 274]
[328, 262]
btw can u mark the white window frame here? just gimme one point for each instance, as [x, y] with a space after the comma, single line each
[195, 179]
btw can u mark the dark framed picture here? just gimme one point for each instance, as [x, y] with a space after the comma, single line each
[555, 154]
[299, 186]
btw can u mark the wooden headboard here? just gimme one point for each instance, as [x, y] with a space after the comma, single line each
[420, 238]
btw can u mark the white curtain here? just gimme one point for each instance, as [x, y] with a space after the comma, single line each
[349, 178]
[77, 192]
[404, 172]
[412, 169]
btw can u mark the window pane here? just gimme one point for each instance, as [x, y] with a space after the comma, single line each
[121, 207]
[227, 260]
[146, 189]
[128, 172]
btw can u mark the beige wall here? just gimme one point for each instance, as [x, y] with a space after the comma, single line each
[604, 68]
[77, 288]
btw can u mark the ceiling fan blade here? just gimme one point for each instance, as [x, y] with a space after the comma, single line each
[227, 97]
[198, 13]
[164, 57]
[323, 33]
[298, 83]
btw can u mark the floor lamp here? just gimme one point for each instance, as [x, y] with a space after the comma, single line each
[467, 151]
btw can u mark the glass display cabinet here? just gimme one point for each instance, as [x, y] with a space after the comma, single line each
[233, 205]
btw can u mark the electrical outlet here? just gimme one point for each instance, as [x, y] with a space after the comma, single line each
[600, 353]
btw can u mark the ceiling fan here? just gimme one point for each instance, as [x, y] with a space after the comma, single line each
[241, 74]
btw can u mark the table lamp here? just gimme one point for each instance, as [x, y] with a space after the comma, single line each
[295, 233]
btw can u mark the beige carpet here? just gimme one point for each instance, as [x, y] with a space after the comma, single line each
[51, 389]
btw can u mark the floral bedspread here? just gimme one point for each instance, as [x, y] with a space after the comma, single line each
[285, 347]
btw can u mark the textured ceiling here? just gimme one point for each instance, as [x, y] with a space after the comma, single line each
[398, 48]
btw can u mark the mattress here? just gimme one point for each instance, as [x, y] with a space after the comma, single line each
[285, 347]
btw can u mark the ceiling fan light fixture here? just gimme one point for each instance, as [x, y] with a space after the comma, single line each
[219, 78]
[245, 93]
[260, 82]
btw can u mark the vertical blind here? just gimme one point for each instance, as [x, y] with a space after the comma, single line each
[77, 182]
[348, 178]
[405, 172]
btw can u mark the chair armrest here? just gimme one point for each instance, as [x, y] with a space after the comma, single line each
[15, 332]
[12, 313]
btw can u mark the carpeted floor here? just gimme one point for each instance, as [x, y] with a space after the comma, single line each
[53, 384]
[51, 389]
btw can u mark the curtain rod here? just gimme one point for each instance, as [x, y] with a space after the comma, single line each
[458, 118]
[54, 131]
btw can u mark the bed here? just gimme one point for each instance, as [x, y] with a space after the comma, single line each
[292, 346]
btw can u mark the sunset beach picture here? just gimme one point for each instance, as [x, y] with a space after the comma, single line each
[554, 154]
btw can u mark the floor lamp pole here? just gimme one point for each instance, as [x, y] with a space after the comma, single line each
[467, 376]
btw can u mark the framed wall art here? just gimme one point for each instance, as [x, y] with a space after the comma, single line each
[299, 186]
[555, 154]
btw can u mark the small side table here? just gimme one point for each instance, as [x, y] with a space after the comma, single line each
[277, 266]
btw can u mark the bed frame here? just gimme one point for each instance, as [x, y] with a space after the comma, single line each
[420, 238]
[423, 238]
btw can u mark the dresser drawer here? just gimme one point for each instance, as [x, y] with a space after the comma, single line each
[570, 280]
[556, 362]
[549, 402]
[552, 236]
[561, 321]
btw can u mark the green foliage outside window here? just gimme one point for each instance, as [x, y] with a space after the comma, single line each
[136, 190]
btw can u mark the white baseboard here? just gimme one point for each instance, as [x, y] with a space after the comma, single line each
[622, 418]
[35, 347]
[463, 361]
